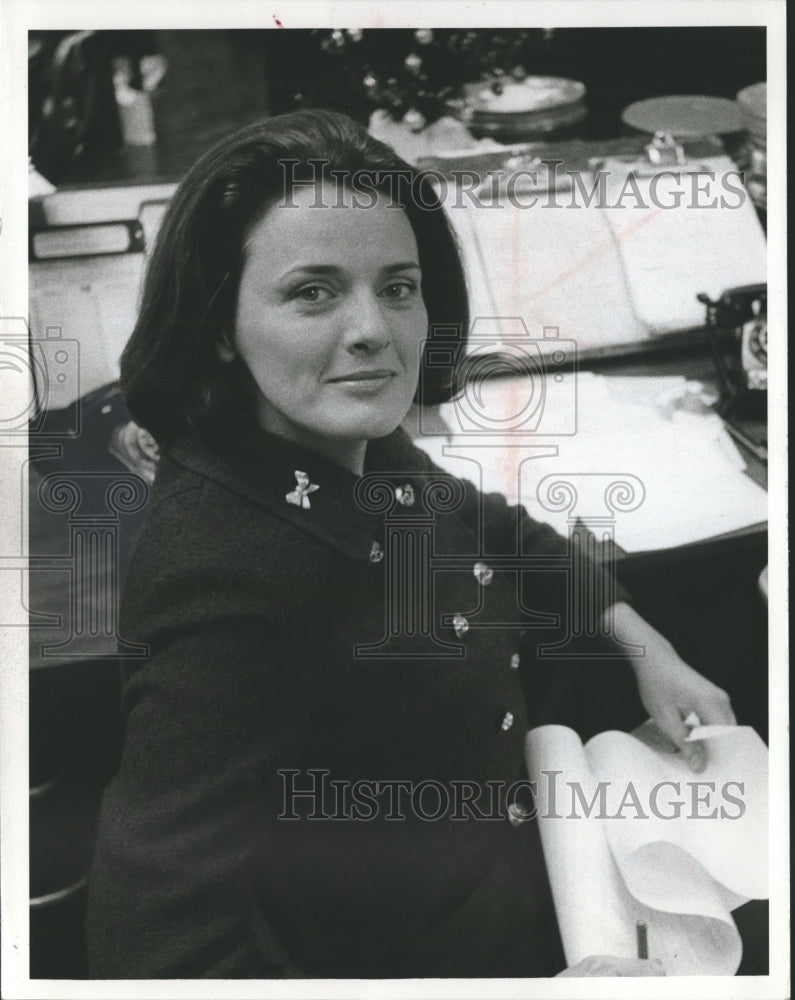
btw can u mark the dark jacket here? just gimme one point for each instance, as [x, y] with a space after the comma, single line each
[267, 620]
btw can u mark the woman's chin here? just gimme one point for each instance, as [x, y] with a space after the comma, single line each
[376, 422]
[373, 429]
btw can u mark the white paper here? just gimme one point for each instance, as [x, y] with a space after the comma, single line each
[615, 268]
[612, 861]
[694, 484]
[671, 254]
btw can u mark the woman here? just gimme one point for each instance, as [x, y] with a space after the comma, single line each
[256, 826]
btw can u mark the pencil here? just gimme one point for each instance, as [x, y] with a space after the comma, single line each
[643, 942]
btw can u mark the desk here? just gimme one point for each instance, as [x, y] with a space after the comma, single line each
[703, 595]
[687, 354]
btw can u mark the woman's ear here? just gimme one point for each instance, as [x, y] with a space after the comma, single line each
[226, 348]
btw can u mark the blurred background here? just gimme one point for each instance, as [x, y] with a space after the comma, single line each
[110, 106]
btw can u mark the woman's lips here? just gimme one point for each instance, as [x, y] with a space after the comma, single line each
[369, 375]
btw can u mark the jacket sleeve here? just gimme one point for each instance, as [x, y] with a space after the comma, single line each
[507, 529]
[595, 561]
[219, 706]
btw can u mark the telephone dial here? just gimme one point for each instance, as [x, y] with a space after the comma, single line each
[741, 314]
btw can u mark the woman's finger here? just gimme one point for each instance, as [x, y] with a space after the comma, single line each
[674, 728]
[716, 709]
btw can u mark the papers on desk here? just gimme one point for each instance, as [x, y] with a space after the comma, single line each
[694, 486]
[635, 855]
[671, 254]
[551, 267]
[611, 258]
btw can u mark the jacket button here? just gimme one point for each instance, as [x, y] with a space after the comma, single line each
[461, 626]
[515, 661]
[405, 495]
[507, 722]
[483, 574]
[376, 552]
[517, 815]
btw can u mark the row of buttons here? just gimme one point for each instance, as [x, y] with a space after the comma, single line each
[405, 496]
[483, 573]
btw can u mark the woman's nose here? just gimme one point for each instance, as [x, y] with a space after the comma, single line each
[367, 327]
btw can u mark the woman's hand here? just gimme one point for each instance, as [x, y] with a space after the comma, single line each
[613, 965]
[669, 689]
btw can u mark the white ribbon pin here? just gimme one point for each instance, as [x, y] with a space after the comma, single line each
[298, 496]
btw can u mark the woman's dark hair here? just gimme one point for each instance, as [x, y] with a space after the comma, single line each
[171, 373]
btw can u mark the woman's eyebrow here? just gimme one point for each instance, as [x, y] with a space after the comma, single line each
[313, 269]
[406, 265]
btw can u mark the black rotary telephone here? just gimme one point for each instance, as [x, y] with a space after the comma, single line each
[741, 315]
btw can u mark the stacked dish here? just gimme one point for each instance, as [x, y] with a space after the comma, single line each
[537, 107]
[753, 101]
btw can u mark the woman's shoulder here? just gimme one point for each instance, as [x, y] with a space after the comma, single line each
[206, 552]
[198, 505]
[251, 512]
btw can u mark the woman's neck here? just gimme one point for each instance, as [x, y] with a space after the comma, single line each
[349, 454]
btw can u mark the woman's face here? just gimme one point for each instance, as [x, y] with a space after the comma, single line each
[330, 319]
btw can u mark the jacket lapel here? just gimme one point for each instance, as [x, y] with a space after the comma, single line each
[304, 489]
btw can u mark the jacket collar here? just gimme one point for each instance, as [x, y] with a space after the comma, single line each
[305, 489]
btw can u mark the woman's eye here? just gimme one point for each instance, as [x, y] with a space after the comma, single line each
[400, 289]
[312, 293]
